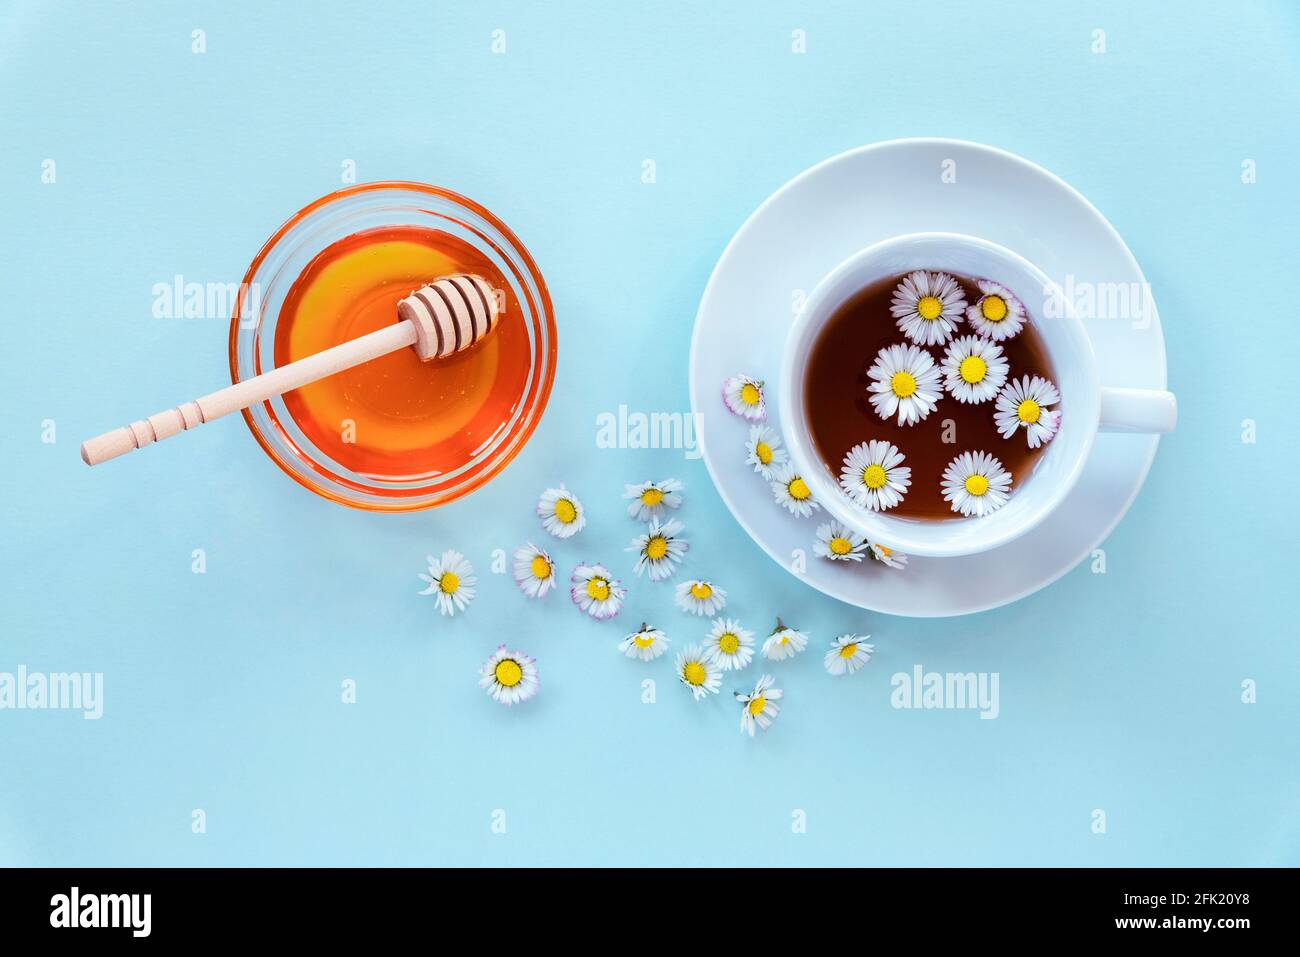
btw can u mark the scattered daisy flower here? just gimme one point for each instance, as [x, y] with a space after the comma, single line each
[509, 676]
[765, 451]
[997, 314]
[744, 397]
[659, 549]
[699, 597]
[650, 499]
[874, 475]
[976, 484]
[838, 543]
[784, 643]
[534, 570]
[728, 645]
[974, 369]
[646, 644]
[759, 707]
[792, 492]
[561, 513]
[596, 592]
[451, 580]
[848, 653]
[1024, 405]
[887, 556]
[928, 307]
[698, 673]
[904, 380]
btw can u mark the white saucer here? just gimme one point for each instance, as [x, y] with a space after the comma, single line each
[829, 212]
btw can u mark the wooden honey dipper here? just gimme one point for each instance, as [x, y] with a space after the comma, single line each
[446, 316]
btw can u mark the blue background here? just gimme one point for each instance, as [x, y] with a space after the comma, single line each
[1119, 691]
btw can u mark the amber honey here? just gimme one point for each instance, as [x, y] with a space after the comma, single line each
[397, 418]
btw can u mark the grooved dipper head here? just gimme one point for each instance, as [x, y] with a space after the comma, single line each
[450, 314]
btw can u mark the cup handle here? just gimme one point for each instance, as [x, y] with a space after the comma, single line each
[1138, 410]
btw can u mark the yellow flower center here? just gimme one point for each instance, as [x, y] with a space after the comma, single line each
[848, 651]
[565, 511]
[929, 308]
[764, 453]
[448, 583]
[541, 567]
[728, 643]
[694, 673]
[643, 640]
[509, 673]
[656, 548]
[1029, 411]
[973, 369]
[652, 496]
[977, 484]
[874, 476]
[798, 490]
[785, 640]
[885, 550]
[749, 394]
[756, 705]
[701, 590]
[598, 588]
[993, 308]
[839, 546]
[903, 384]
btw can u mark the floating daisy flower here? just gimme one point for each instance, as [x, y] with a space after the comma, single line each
[974, 369]
[451, 580]
[1024, 405]
[596, 592]
[699, 597]
[651, 499]
[997, 314]
[905, 380]
[765, 450]
[561, 512]
[784, 642]
[874, 475]
[659, 549]
[730, 646]
[887, 556]
[534, 570]
[848, 653]
[509, 676]
[792, 492]
[698, 673]
[744, 397]
[646, 644]
[928, 307]
[976, 484]
[759, 707]
[839, 543]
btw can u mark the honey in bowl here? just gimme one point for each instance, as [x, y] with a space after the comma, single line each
[840, 414]
[396, 418]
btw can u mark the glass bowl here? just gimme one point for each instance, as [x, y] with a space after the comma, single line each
[284, 257]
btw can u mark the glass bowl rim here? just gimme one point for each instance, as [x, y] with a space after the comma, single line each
[545, 318]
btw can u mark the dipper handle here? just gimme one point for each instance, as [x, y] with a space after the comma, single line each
[444, 317]
[241, 395]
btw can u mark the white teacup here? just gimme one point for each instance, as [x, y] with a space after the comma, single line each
[1086, 407]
